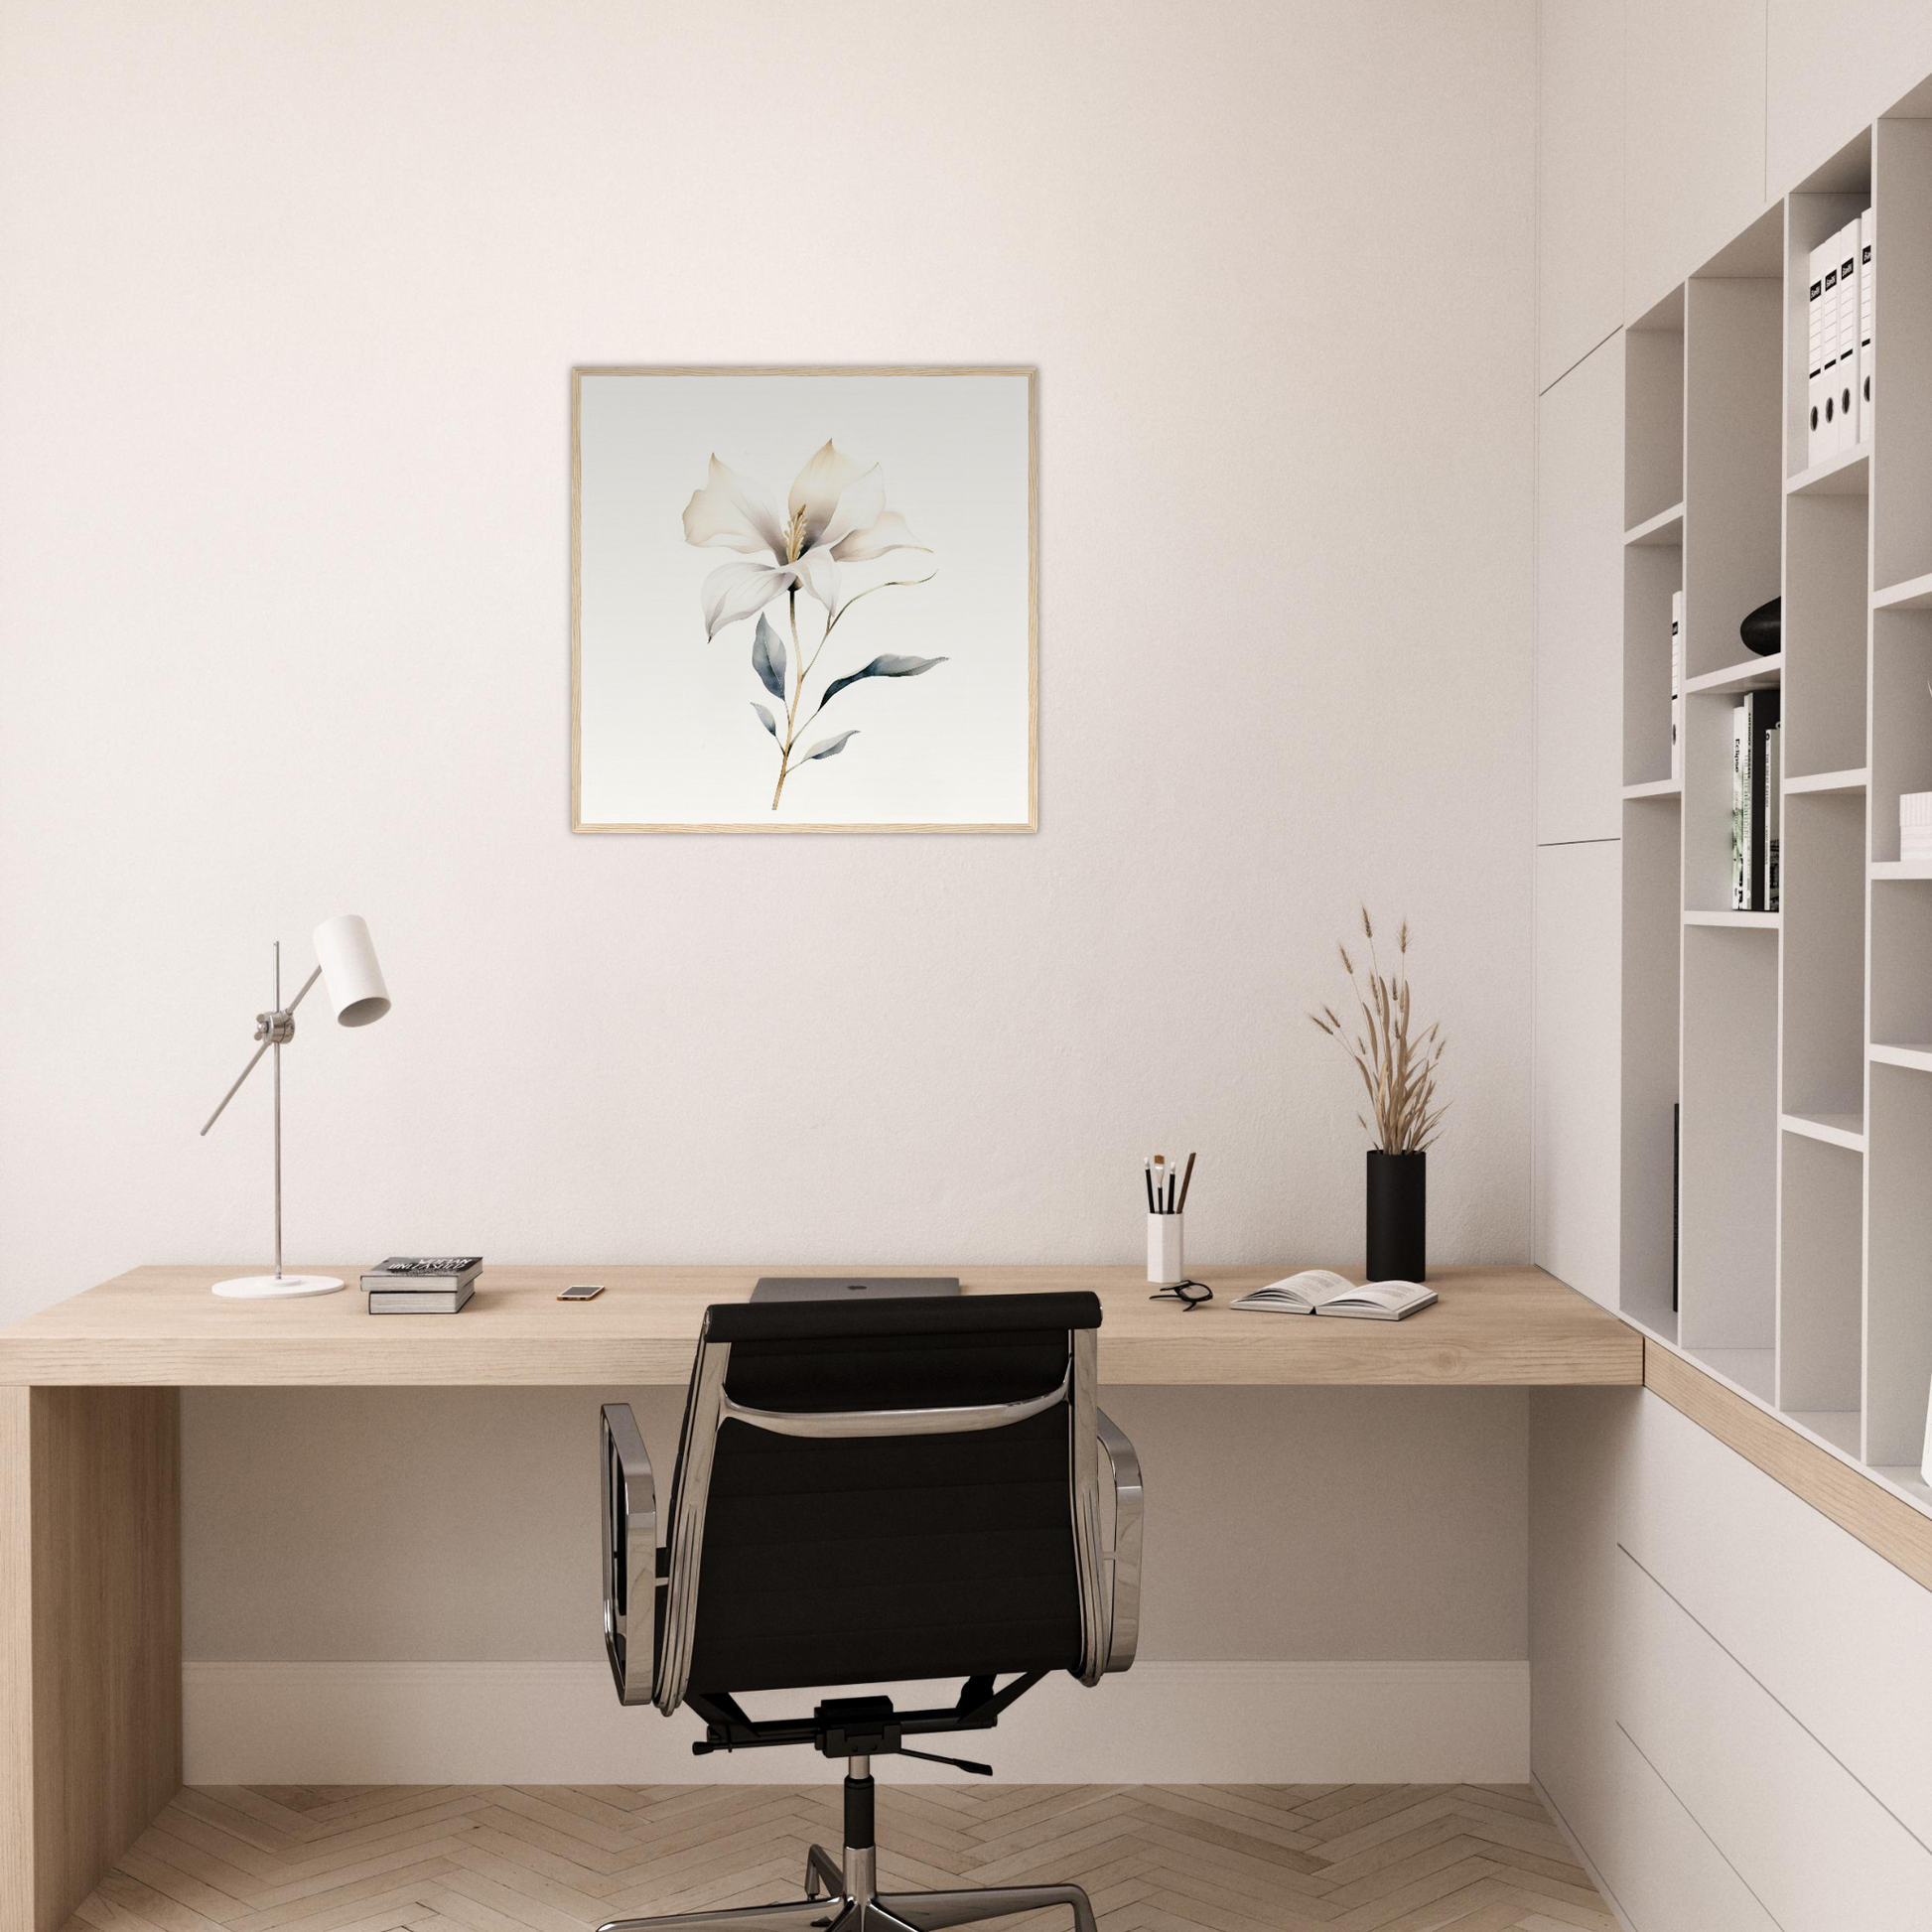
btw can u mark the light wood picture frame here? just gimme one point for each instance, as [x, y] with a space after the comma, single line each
[896, 579]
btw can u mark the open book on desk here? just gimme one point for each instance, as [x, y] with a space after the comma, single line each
[1320, 1291]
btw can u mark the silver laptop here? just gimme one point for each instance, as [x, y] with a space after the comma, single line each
[849, 1288]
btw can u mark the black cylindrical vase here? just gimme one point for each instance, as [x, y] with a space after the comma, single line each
[1398, 1217]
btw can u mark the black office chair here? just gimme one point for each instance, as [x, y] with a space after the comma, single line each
[867, 1494]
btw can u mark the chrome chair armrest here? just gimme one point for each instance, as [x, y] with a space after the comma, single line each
[1124, 1559]
[629, 1555]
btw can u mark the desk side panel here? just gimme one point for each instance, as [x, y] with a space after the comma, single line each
[16, 1665]
[104, 1541]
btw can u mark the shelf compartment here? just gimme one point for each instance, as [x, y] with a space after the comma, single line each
[1823, 921]
[1754, 674]
[1899, 1297]
[1826, 576]
[1653, 939]
[1902, 719]
[1901, 463]
[1902, 964]
[1650, 577]
[1915, 594]
[1821, 1258]
[1846, 475]
[1729, 1238]
[1664, 531]
[1826, 781]
[1734, 470]
[1653, 414]
[1835, 1130]
[1736, 922]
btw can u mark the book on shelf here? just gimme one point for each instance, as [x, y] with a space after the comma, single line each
[1751, 817]
[419, 1300]
[1320, 1291]
[1773, 807]
[1676, 1193]
[1677, 687]
[1741, 811]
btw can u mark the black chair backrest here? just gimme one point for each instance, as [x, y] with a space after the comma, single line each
[873, 1556]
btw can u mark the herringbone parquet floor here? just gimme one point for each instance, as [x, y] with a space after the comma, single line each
[562, 1857]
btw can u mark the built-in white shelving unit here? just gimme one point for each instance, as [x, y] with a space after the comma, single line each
[1796, 1044]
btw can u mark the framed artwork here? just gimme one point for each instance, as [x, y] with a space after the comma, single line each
[803, 600]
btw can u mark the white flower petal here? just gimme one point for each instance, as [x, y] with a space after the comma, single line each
[818, 575]
[733, 514]
[890, 532]
[818, 488]
[862, 503]
[734, 590]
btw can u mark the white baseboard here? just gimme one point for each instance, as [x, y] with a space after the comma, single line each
[560, 1724]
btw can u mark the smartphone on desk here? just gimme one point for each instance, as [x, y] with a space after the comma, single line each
[582, 1291]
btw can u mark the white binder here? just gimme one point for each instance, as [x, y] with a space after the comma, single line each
[1866, 303]
[1848, 335]
[1817, 311]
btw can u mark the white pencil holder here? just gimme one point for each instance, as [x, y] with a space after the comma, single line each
[1164, 1265]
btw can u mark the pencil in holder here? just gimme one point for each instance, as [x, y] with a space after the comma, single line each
[1165, 1263]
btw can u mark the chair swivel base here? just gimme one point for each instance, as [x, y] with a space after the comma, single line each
[849, 1905]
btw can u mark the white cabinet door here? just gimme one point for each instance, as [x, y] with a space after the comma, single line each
[1580, 602]
[1575, 1200]
[1693, 137]
[1579, 179]
[1833, 65]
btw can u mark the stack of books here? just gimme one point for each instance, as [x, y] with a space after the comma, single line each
[422, 1284]
[1755, 832]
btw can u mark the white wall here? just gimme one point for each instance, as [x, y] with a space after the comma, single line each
[291, 300]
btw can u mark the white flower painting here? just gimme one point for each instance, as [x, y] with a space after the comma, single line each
[714, 616]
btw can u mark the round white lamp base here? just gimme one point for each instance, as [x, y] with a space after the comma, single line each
[276, 1288]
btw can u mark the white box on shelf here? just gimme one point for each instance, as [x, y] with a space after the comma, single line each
[1915, 825]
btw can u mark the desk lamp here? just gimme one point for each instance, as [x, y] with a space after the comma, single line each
[351, 981]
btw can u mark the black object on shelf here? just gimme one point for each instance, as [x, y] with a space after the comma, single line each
[1398, 1217]
[1763, 630]
[1676, 1193]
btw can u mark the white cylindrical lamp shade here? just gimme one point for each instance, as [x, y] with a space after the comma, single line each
[350, 976]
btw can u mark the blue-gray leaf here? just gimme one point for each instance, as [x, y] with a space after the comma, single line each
[765, 717]
[831, 746]
[888, 667]
[769, 659]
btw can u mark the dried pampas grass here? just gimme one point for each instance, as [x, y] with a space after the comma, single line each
[1398, 1071]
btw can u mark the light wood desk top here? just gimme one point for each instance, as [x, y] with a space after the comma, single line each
[160, 1326]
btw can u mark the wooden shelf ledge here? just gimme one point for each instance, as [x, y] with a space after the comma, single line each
[1859, 1498]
